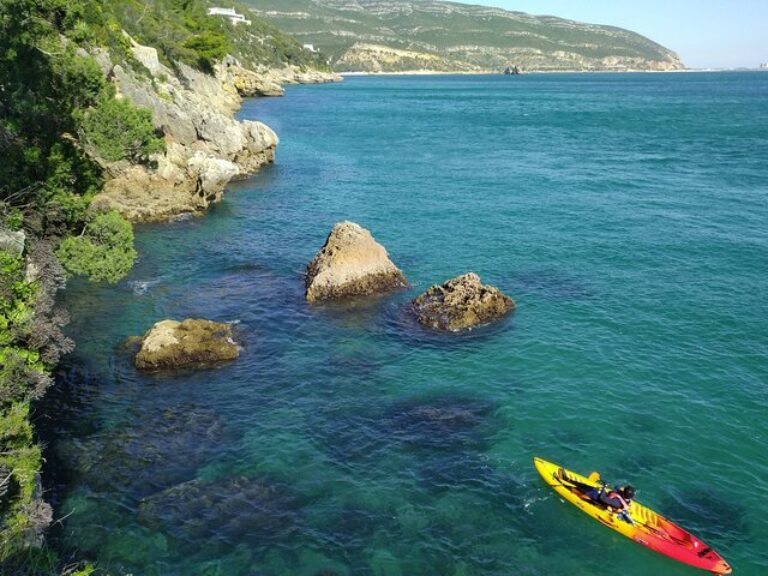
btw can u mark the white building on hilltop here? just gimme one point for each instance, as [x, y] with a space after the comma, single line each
[230, 13]
[310, 48]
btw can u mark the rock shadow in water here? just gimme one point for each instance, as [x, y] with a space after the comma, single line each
[356, 313]
[550, 284]
[244, 288]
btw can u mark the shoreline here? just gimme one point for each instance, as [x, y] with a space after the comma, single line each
[536, 72]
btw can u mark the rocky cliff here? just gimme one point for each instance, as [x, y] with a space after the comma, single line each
[407, 35]
[205, 146]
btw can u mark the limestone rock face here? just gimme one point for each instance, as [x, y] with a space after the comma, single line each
[206, 146]
[246, 82]
[351, 263]
[295, 75]
[172, 344]
[461, 303]
[12, 242]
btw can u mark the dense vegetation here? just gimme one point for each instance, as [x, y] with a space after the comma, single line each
[182, 31]
[461, 35]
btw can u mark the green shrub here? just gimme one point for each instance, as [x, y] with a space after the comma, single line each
[104, 252]
[209, 46]
[116, 130]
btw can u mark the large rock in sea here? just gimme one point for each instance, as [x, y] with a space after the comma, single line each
[351, 263]
[172, 344]
[461, 303]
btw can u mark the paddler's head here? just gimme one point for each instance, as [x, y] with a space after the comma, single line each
[628, 492]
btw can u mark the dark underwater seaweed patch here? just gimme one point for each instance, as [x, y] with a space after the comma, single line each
[159, 449]
[360, 364]
[235, 510]
[448, 422]
[347, 530]
[447, 434]
[349, 435]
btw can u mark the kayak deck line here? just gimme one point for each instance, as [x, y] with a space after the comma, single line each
[649, 528]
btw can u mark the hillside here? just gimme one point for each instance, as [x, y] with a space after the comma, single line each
[401, 35]
[182, 31]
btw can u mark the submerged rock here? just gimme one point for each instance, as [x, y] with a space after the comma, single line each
[351, 263]
[159, 447]
[172, 344]
[252, 510]
[461, 303]
[446, 423]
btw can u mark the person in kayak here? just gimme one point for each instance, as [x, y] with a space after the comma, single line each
[617, 500]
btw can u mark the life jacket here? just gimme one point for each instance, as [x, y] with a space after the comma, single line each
[614, 499]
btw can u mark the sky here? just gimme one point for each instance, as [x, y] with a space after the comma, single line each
[704, 33]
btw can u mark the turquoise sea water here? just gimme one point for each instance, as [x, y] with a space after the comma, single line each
[626, 214]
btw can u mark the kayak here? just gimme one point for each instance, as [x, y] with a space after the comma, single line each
[649, 529]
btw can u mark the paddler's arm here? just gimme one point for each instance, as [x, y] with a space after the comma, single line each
[625, 515]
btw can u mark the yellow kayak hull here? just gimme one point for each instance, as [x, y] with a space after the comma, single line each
[649, 529]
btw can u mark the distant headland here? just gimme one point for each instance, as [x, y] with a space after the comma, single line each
[383, 36]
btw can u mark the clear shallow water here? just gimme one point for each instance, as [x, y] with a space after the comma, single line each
[626, 214]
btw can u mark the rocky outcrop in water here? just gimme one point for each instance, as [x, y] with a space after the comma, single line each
[461, 303]
[172, 344]
[351, 263]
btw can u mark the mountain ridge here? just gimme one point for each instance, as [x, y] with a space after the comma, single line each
[361, 36]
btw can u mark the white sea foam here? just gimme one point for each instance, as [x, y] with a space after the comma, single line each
[141, 287]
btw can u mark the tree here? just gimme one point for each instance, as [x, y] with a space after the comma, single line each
[104, 252]
[116, 129]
